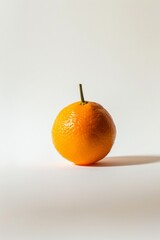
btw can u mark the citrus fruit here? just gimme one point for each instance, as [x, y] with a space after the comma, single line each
[83, 132]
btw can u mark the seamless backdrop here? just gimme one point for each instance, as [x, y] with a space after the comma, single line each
[48, 47]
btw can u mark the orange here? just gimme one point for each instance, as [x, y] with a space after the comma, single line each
[83, 132]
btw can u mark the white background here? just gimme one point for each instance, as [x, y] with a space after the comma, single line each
[46, 49]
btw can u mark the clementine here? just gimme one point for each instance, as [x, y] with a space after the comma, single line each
[83, 132]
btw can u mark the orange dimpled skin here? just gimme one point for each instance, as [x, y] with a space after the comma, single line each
[83, 132]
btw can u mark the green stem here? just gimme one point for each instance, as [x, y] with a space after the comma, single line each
[81, 95]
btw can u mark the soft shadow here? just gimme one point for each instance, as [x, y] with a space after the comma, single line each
[126, 161]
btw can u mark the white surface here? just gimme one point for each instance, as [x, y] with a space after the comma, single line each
[64, 201]
[113, 49]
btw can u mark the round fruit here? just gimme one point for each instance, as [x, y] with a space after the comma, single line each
[83, 132]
